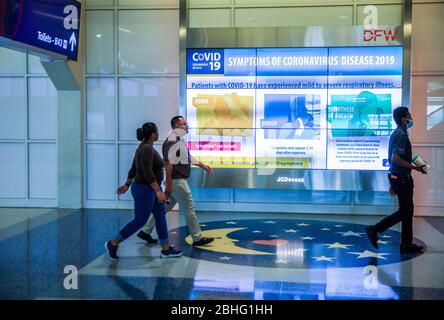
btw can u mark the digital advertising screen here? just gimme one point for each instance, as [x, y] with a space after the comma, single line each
[293, 108]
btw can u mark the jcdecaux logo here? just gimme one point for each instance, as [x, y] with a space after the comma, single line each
[290, 180]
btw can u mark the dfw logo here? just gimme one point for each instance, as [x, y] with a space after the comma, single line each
[374, 32]
[209, 60]
[374, 35]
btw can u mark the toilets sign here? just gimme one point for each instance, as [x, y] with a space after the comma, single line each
[52, 25]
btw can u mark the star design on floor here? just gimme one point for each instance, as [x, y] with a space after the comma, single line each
[351, 233]
[339, 226]
[337, 245]
[231, 222]
[281, 261]
[270, 221]
[369, 254]
[254, 243]
[323, 258]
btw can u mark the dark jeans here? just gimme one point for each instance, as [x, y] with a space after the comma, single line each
[403, 188]
[145, 202]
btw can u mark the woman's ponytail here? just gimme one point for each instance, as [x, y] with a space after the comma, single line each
[139, 134]
[146, 131]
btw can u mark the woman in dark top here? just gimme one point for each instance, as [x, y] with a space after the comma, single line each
[147, 172]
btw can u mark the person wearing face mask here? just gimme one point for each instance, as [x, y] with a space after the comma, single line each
[401, 184]
[147, 173]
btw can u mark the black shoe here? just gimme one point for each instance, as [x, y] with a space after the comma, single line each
[112, 250]
[372, 235]
[411, 248]
[145, 236]
[203, 241]
[170, 253]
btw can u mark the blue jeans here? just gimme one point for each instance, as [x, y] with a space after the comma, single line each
[145, 202]
[182, 194]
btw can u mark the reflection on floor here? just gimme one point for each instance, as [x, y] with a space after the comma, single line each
[255, 256]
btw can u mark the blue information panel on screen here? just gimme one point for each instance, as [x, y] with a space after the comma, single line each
[295, 108]
[52, 25]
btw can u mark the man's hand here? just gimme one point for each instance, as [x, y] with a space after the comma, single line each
[421, 169]
[160, 197]
[168, 191]
[207, 168]
[122, 189]
[392, 192]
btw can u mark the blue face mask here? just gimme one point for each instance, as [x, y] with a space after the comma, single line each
[409, 123]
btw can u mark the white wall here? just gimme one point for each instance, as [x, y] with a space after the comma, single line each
[28, 132]
[427, 103]
[131, 77]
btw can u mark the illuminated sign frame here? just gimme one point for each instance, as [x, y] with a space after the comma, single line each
[262, 78]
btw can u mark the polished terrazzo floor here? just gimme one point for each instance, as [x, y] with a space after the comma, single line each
[255, 256]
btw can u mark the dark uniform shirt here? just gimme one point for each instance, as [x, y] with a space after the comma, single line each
[400, 144]
[181, 167]
[147, 165]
